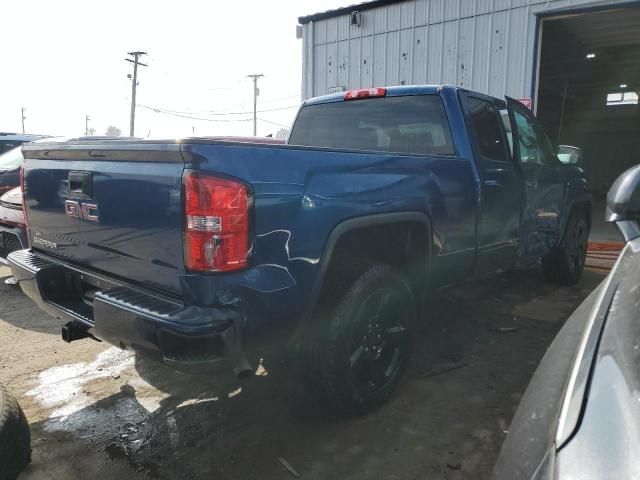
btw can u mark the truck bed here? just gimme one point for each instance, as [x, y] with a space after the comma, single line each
[298, 201]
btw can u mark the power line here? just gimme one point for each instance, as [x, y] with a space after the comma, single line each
[199, 118]
[134, 84]
[216, 120]
[213, 113]
[273, 100]
[274, 123]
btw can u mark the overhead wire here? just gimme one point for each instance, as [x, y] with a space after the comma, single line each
[213, 113]
[224, 120]
[191, 117]
[202, 116]
[274, 123]
[216, 120]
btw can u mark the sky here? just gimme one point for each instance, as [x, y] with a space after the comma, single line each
[65, 59]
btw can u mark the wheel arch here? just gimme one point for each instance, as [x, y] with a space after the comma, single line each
[362, 225]
[580, 204]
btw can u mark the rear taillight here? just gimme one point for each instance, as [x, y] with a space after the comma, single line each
[24, 200]
[365, 93]
[216, 223]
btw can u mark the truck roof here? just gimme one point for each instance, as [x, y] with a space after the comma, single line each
[391, 92]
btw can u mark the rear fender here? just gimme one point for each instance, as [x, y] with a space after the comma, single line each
[351, 225]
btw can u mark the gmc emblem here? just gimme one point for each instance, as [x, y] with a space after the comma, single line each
[85, 211]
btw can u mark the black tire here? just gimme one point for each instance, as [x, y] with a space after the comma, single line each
[15, 437]
[565, 263]
[361, 345]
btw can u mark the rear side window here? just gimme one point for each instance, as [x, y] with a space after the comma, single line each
[408, 124]
[486, 126]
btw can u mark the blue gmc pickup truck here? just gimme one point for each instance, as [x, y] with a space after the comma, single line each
[192, 251]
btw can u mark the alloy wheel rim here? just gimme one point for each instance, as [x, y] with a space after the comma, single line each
[379, 340]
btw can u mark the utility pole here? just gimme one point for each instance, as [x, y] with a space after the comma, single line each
[23, 117]
[134, 82]
[256, 92]
[86, 124]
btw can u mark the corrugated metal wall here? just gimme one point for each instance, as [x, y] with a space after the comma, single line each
[484, 45]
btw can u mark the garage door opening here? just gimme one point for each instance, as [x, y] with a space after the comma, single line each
[589, 80]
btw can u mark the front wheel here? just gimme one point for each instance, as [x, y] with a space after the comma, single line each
[565, 263]
[363, 342]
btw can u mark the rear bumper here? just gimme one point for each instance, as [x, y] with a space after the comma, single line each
[187, 338]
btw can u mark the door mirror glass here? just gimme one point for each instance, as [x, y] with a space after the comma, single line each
[569, 155]
[623, 203]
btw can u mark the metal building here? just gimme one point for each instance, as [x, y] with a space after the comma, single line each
[568, 56]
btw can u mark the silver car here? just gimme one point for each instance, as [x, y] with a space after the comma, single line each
[13, 235]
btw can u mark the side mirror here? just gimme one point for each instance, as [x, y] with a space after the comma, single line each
[569, 155]
[623, 203]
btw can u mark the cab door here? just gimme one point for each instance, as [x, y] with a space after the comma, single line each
[502, 184]
[545, 192]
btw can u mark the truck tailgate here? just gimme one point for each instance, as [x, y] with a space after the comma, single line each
[114, 208]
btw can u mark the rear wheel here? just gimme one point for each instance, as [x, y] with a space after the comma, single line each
[565, 263]
[363, 343]
[15, 438]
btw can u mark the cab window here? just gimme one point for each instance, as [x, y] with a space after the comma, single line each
[534, 144]
[487, 130]
[405, 124]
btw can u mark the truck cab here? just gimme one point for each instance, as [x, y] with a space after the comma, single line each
[192, 251]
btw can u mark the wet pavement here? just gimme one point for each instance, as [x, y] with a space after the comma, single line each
[98, 412]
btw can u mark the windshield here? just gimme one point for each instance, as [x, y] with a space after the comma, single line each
[6, 145]
[408, 124]
[11, 160]
[12, 196]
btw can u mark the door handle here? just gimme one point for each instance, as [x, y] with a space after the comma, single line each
[496, 173]
[80, 184]
[492, 183]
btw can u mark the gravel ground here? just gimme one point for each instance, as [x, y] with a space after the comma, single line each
[97, 412]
